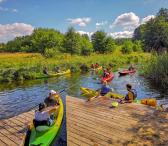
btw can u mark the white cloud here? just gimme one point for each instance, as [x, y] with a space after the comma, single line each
[146, 19]
[15, 10]
[10, 31]
[101, 23]
[121, 34]
[128, 21]
[80, 21]
[2, 9]
[84, 32]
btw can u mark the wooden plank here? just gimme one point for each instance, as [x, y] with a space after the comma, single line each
[96, 122]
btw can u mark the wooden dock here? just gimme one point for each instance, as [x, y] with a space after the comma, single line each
[96, 124]
[13, 130]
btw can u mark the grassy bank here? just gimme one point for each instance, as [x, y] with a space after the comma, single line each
[156, 70]
[24, 66]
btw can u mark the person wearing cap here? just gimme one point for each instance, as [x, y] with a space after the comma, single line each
[52, 99]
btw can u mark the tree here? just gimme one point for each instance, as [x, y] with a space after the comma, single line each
[98, 40]
[137, 46]
[46, 38]
[127, 47]
[110, 44]
[72, 42]
[86, 45]
[163, 12]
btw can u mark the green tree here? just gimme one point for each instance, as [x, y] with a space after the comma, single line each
[72, 42]
[99, 41]
[46, 38]
[137, 46]
[127, 47]
[110, 44]
[86, 45]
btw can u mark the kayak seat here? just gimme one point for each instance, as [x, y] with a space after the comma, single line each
[42, 128]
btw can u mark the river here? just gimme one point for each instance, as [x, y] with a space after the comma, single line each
[17, 98]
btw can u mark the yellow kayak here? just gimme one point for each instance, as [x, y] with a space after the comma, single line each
[54, 74]
[99, 68]
[89, 93]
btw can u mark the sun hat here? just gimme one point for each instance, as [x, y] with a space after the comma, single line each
[52, 92]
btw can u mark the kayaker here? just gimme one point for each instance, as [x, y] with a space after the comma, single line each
[131, 95]
[42, 116]
[96, 65]
[52, 99]
[131, 67]
[45, 71]
[104, 89]
[57, 69]
[105, 73]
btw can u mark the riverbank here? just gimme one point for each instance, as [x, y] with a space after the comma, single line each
[27, 66]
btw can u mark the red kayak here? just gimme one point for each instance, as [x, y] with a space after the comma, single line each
[108, 79]
[125, 72]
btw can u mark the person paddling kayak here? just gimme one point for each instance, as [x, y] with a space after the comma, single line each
[52, 99]
[45, 71]
[131, 67]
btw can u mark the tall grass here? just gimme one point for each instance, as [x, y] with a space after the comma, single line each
[157, 70]
[24, 66]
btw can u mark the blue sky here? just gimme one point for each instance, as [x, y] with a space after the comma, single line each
[113, 16]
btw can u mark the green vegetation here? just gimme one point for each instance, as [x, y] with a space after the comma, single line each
[26, 66]
[157, 70]
[154, 36]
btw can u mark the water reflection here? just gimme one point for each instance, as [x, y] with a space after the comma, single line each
[20, 97]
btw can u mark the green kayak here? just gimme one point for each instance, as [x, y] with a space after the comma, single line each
[46, 136]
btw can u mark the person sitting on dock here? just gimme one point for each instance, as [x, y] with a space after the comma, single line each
[131, 95]
[45, 71]
[42, 116]
[52, 99]
[104, 89]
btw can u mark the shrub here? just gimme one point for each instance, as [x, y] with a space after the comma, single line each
[127, 47]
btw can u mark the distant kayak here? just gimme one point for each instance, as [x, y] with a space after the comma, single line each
[54, 74]
[98, 68]
[108, 79]
[126, 72]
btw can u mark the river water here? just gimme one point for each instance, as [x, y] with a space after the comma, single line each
[17, 98]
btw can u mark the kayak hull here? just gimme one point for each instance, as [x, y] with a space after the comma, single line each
[126, 72]
[107, 79]
[54, 74]
[89, 93]
[45, 138]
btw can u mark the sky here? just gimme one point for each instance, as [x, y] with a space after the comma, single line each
[118, 18]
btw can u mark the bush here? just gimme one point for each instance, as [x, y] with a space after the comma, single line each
[127, 47]
[137, 47]
[50, 52]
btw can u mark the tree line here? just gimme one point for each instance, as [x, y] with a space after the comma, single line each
[50, 42]
[151, 36]
[154, 34]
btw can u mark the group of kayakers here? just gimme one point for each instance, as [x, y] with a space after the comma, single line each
[106, 90]
[56, 70]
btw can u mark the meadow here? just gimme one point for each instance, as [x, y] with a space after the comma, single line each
[27, 66]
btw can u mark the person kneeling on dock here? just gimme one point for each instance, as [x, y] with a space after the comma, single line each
[43, 116]
[52, 99]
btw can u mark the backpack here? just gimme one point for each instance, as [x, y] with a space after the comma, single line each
[134, 92]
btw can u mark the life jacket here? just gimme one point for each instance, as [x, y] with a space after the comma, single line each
[105, 90]
[134, 92]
